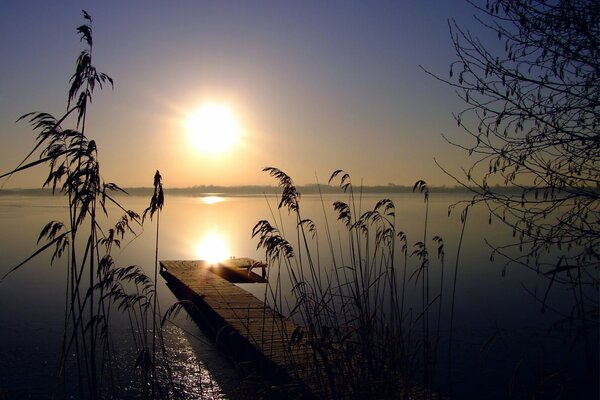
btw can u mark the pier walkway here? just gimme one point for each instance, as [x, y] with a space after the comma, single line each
[255, 337]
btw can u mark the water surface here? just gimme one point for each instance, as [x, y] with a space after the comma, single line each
[503, 343]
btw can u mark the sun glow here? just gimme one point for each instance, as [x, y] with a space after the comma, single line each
[213, 248]
[213, 128]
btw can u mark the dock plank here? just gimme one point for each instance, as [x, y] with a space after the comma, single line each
[250, 328]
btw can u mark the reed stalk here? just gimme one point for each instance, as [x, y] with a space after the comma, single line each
[463, 219]
[350, 304]
[94, 284]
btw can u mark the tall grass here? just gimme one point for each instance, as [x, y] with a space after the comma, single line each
[350, 299]
[95, 287]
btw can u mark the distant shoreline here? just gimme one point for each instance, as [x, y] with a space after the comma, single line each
[205, 190]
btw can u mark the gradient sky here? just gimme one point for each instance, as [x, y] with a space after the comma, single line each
[316, 86]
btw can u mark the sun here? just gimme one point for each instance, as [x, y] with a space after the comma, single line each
[213, 128]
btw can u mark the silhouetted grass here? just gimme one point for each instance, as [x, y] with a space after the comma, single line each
[95, 287]
[349, 295]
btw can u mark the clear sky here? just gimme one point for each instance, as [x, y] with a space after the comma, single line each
[314, 86]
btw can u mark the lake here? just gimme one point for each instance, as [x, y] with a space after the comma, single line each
[503, 344]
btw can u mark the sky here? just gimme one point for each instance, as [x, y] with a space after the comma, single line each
[314, 86]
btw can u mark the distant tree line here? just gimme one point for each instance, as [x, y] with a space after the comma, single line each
[247, 190]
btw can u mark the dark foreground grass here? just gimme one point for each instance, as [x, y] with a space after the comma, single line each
[348, 295]
[95, 286]
[350, 285]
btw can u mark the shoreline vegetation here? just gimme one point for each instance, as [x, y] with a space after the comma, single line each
[243, 190]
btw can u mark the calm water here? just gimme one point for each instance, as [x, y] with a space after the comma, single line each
[503, 342]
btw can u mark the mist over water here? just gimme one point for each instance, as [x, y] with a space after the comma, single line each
[499, 330]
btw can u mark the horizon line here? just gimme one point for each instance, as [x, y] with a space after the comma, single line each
[211, 189]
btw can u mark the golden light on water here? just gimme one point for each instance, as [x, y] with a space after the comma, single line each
[213, 128]
[210, 200]
[213, 248]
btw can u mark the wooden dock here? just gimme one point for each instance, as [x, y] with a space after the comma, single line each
[255, 337]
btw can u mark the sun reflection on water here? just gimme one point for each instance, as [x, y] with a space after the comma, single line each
[210, 200]
[213, 248]
[188, 372]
